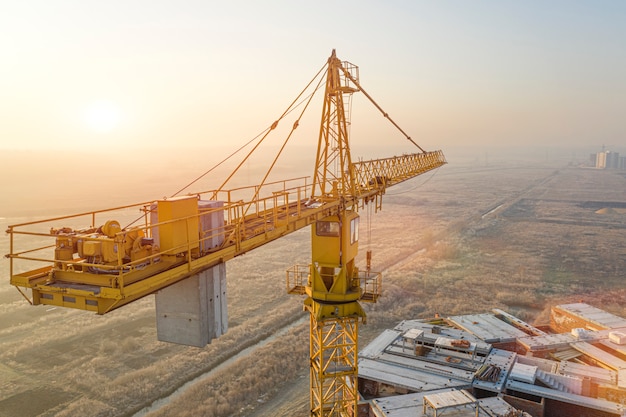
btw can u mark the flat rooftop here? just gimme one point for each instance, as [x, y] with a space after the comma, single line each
[411, 405]
[491, 364]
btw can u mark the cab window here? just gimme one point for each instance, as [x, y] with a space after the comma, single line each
[327, 228]
[354, 230]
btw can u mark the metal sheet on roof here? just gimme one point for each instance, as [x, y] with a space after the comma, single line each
[547, 342]
[407, 378]
[619, 349]
[603, 319]
[520, 324]
[456, 364]
[418, 363]
[408, 405]
[430, 335]
[581, 400]
[547, 365]
[524, 373]
[595, 373]
[430, 329]
[411, 405]
[487, 327]
[621, 378]
[565, 354]
[494, 406]
[376, 346]
[453, 400]
[600, 355]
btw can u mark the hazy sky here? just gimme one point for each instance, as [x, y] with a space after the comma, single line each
[118, 75]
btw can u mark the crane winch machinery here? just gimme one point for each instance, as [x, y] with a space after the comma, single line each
[91, 262]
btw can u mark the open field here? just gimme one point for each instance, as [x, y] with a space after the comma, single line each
[519, 236]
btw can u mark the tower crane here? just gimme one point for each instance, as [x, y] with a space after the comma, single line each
[91, 262]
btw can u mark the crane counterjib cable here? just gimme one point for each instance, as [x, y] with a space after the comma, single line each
[385, 114]
[264, 133]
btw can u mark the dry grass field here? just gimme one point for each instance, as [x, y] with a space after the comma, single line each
[519, 236]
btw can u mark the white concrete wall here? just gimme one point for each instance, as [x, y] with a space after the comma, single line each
[194, 310]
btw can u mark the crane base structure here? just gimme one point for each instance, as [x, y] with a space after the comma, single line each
[89, 261]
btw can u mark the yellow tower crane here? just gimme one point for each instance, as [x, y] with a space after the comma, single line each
[91, 262]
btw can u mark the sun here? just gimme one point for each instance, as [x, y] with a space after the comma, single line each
[102, 116]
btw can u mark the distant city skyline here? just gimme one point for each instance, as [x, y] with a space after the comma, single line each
[115, 75]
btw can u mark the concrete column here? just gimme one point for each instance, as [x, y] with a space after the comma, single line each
[194, 310]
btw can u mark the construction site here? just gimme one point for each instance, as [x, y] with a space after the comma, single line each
[493, 364]
[526, 239]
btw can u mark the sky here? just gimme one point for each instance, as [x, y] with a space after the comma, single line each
[98, 75]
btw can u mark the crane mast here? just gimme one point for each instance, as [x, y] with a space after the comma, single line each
[334, 284]
[332, 177]
[333, 289]
[89, 261]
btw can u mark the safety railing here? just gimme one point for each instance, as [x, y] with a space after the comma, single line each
[75, 247]
[370, 283]
[298, 279]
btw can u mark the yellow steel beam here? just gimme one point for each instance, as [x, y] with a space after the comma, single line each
[103, 292]
[333, 371]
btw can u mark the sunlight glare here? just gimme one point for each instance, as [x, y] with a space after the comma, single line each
[102, 116]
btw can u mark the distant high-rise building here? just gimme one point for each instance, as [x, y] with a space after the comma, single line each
[612, 160]
[608, 160]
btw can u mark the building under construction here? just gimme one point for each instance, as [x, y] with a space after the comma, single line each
[495, 364]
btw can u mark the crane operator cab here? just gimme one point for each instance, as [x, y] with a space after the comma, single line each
[334, 277]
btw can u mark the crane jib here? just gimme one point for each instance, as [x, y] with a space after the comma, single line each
[89, 261]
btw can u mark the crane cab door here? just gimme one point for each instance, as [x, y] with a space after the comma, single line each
[334, 246]
[335, 239]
